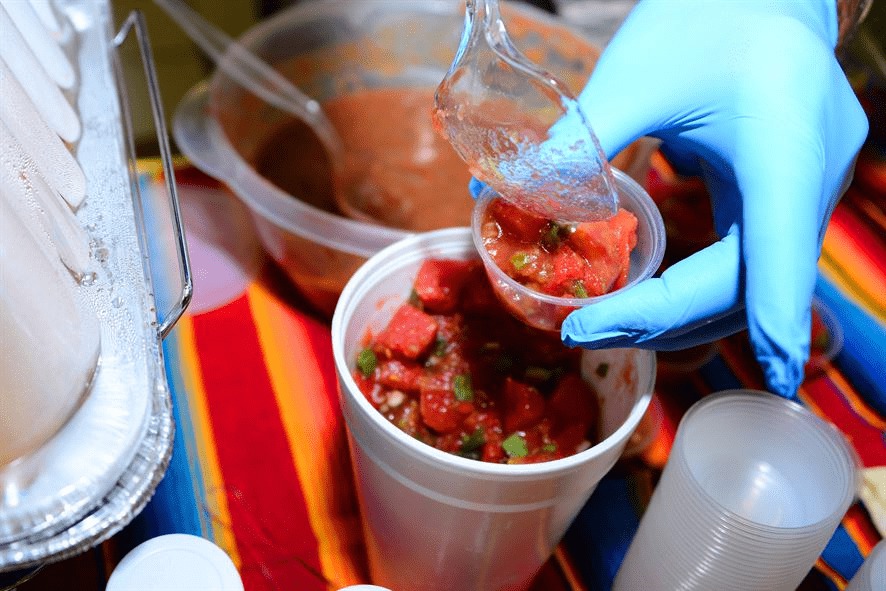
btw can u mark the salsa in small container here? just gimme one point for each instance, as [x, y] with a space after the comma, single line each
[543, 269]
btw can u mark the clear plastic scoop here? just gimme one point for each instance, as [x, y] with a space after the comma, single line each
[518, 128]
[359, 182]
[257, 76]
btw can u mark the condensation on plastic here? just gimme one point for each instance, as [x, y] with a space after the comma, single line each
[97, 473]
[55, 162]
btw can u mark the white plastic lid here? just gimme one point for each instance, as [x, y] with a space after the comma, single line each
[364, 588]
[176, 562]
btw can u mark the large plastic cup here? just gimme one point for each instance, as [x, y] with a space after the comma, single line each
[547, 312]
[435, 521]
[753, 490]
[872, 574]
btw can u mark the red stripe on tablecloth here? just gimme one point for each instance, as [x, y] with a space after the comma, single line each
[267, 509]
[830, 403]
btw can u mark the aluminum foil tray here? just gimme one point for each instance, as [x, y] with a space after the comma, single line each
[100, 470]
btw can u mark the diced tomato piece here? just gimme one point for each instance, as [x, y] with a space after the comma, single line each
[486, 420]
[573, 401]
[450, 329]
[492, 449]
[407, 418]
[537, 458]
[400, 375]
[450, 442]
[409, 334]
[519, 223]
[439, 283]
[440, 410]
[568, 268]
[370, 389]
[569, 438]
[478, 297]
[606, 245]
[524, 405]
[527, 263]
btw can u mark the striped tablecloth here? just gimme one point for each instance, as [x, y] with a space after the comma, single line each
[261, 467]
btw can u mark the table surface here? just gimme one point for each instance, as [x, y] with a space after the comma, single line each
[288, 515]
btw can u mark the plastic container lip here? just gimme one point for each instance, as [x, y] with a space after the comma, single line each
[837, 441]
[835, 332]
[294, 215]
[373, 272]
[631, 196]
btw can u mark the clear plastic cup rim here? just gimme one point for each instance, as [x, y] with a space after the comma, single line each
[836, 439]
[698, 503]
[639, 203]
[371, 273]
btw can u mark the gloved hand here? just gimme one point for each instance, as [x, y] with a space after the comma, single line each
[749, 94]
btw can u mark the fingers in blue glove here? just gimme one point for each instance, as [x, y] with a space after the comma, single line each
[782, 233]
[695, 298]
[476, 187]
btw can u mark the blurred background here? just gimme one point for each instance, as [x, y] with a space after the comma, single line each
[181, 64]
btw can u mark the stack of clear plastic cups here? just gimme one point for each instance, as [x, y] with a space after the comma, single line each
[872, 574]
[753, 490]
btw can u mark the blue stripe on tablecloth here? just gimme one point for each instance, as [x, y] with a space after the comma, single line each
[864, 345]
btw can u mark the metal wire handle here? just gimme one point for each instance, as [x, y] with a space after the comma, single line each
[135, 21]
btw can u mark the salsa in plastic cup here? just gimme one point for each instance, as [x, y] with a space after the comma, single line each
[546, 311]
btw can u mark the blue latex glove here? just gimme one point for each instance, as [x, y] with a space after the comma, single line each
[749, 94]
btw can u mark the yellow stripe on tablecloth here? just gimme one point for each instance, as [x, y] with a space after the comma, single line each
[850, 268]
[836, 578]
[855, 402]
[309, 421]
[204, 439]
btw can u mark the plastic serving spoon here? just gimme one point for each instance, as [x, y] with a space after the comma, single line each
[257, 76]
[518, 128]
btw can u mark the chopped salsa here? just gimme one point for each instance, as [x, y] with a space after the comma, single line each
[453, 369]
[579, 260]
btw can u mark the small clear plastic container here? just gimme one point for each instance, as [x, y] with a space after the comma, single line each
[547, 312]
[827, 339]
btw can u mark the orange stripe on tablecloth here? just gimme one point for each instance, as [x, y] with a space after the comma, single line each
[855, 258]
[298, 354]
[859, 527]
[215, 500]
[830, 573]
[568, 568]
